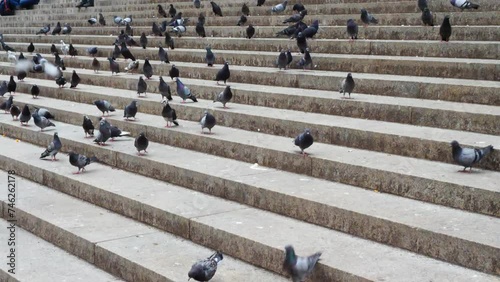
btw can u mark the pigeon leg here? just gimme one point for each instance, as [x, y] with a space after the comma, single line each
[54, 158]
[183, 101]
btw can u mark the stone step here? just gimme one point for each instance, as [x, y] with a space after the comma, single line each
[418, 48]
[35, 256]
[467, 33]
[393, 174]
[178, 212]
[406, 140]
[124, 247]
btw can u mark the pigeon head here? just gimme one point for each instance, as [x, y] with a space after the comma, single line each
[134, 102]
[142, 134]
[363, 11]
[447, 18]
[307, 131]
[349, 75]
[290, 257]
[454, 144]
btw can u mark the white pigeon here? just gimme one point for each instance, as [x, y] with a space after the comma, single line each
[126, 20]
[132, 65]
[64, 48]
[50, 69]
[12, 57]
[179, 29]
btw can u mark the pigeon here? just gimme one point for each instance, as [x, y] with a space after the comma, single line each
[132, 65]
[299, 267]
[66, 29]
[104, 106]
[61, 81]
[197, 4]
[53, 49]
[114, 67]
[126, 20]
[209, 57]
[7, 47]
[216, 9]
[164, 89]
[260, 2]
[347, 85]
[168, 113]
[102, 21]
[143, 40]
[311, 30]
[464, 4]
[242, 20]
[117, 20]
[304, 141]
[41, 121]
[57, 29]
[7, 104]
[156, 30]
[169, 41]
[201, 18]
[12, 57]
[12, 85]
[200, 30]
[25, 115]
[280, 7]
[147, 69]
[129, 31]
[250, 31]
[80, 161]
[163, 55]
[21, 75]
[288, 57]
[92, 21]
[282, 60]
[467, 157]
[367, 18]
[75, 80]
[104, 132]
[64, 48]
[207, 121]
[44, 113]
[179, 30]
[92, 51]
[352, 29]
[35, 91]
[31, 47]
[116, 132]
[172, 11]
[72, 50]
[141, 143]
[53, 148]
[296, 18]
[173, 72]
[88, 126]
[223, 74]
[422, 4]
[142, 86]
[301, 42]
[15, 112]
[44, 30]
[306, 60]
[3, 88]
[183, 91]
[289, 31]
[96, 66]
[298, 7]
[224, 96]
[58, 61]
[116, 51]
[245, 10]
[427, 18]
[130, 110]
[204, 270]
[445, 29]
[161, 11]
[126, 52]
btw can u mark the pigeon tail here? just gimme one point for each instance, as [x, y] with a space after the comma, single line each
[193, 98]
[125, 133]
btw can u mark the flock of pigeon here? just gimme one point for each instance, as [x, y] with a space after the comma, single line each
[204, 270]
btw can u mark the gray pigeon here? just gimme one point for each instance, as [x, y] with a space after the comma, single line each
[299, 267]
[130, 110]
[25, 115]
[53, 148]
[367, 18]
[66, 29]
[204, 270]
[306, 60]
[168, 113]
[7, 104]
[304, 141]
[225, 96]
[163, 55]
[96, 66]
[143, 41]
[44, 113]
[352, 29]
[43, 30]
[3, 88]
[422, 4]
[347, 85]
[427, 18]
[197, 4]
[15, 112]
[207, 121]
[141, 143]
[92, 51]
[114, 67]
[41, 121]
[104, 132]
[210, 57]
[184, 92]
[117, 20]
[467, 157]
[88, 126]
[164, 89]
[280, 7]
[282, 60]
[223, 74]
[147, 69]
[80, 161]
[142, 86]
[104, 106]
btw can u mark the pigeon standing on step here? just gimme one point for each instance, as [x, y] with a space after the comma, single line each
[129, 31]
[21, 75]
[282, 60]
[301, 42]
[183, 91]
[467, 157]
[57, 29]
[130, 110]
[352, 29]
[142, 86]
[147, 69]
[197, 4]
[53, 50]
[132, 66]
[289, 58]
[161, 11]
[75, 80]
[80, 161]
[209, 57]
[96, 65]
[306, 60]
[242, 20]
[179, 30]
[427, 18]
[25, 115]
[53, 148]
[35, 91]
[367, 18]
[207, 121]
[245, 10]
[114, 67]
[445, 29]
[173, 72]
[225, 96]
[156, 30]
[204, 270]
[260, 2]
[92, 51]
[12, 85]
[143, 41]
[200, 30]
[103, 133]
[92, 21]
[169, 41]
[164, 90]
[216, 9]
[250, 31]
[422, 4]
[67, 29]
[163, 55]
[299, 267]
[117, 20]
[72, 50]
[41, 121]
[31, 47]
[296, 17]
[3, 88]
[61, 81]
[12, 57]
[347, 85]
[172, 11]
[168, 114]
[223, 74]
[15, 112]
[44, 113]
[279, 7]
[304, 141]
[88, 126]
[7, 104]
[104, 106]
[44, 30]
[298, 7]
[141, 143]
[126, 52]
[464, 4]
[102, 21]
[311, 30]
[64, 48]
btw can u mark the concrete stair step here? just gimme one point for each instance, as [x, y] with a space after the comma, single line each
[418, 48]
[467, 33]
[201, 218]
[393, 174]
[406, 140]
[35, 256]
[125, 248]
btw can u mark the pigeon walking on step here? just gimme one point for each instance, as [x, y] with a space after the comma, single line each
[282, 60]
[464, 4]
[209, 57]
[103, 133]
[279, 7]
[299, 267]
[223, 74]
[142, 86]
[44, 30]
[15, 112]
[80, 161]
[143, 41]
[304, 141]
[12, 85]
[41, 121]
[427, 18]
[130, 110]
[347, 85]
[57, 29]
[204, 270]
[216, 9]
[53, 148]
[168, 114]
[147, 69]
[306, 60]
[25, 116]
[207, 121]
[422, 4]
[225, 96]
[104, 106]
[352, 29]
[114, 67]
[367, 18]
[75, 80]
[468, 157]
[250, 31]
[141, 143]
[126, 52]
[183, 91]
[6, 105]
[173, 72]
[445, 29]
[88, 126]
[164, 90]
[163, 55]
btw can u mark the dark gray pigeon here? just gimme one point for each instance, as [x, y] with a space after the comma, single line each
[116, 51]
[204, 270]
[311, 30]
[141, 143]
[143, 40]
[168, 114]
[66, 29]
[242, 20]
[173, 72]
[92, 51]
[130, 110]
[245, 10]
[299, 267]
[25, 115]
[164, 89]
[223, 74]
[88, 126]
[445, 29]
[163, 55]
[427, 18]
[367, 18]
[207, 121]
[12, 85]
[104, 106]
[304, 141]
[147, 69]
[289, 58]
[57, 29]
[7, 104]
[75, 80]
[183, 91]
[172, 11]
[301, 42]
[467, 157]
[250, 31]
[209, 57]
[114, 67]
[352, 29]
[156, 30]
[44, 30]
[31, 47]
[15, 112]
[3, 88]
[35, 91]
[296, 17]
[224, 96]
[104, 132]
[216, 9]
[41, 121]
[347, 85]
[306, 60]
[422, 4]
[161, 11]
[116, 132]
[44, 113]
[142, 86]
[279, 7]
[80, 161]
[200, 30]
[197, 4]
[53, 148]
[102, 21]
[96, 66]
